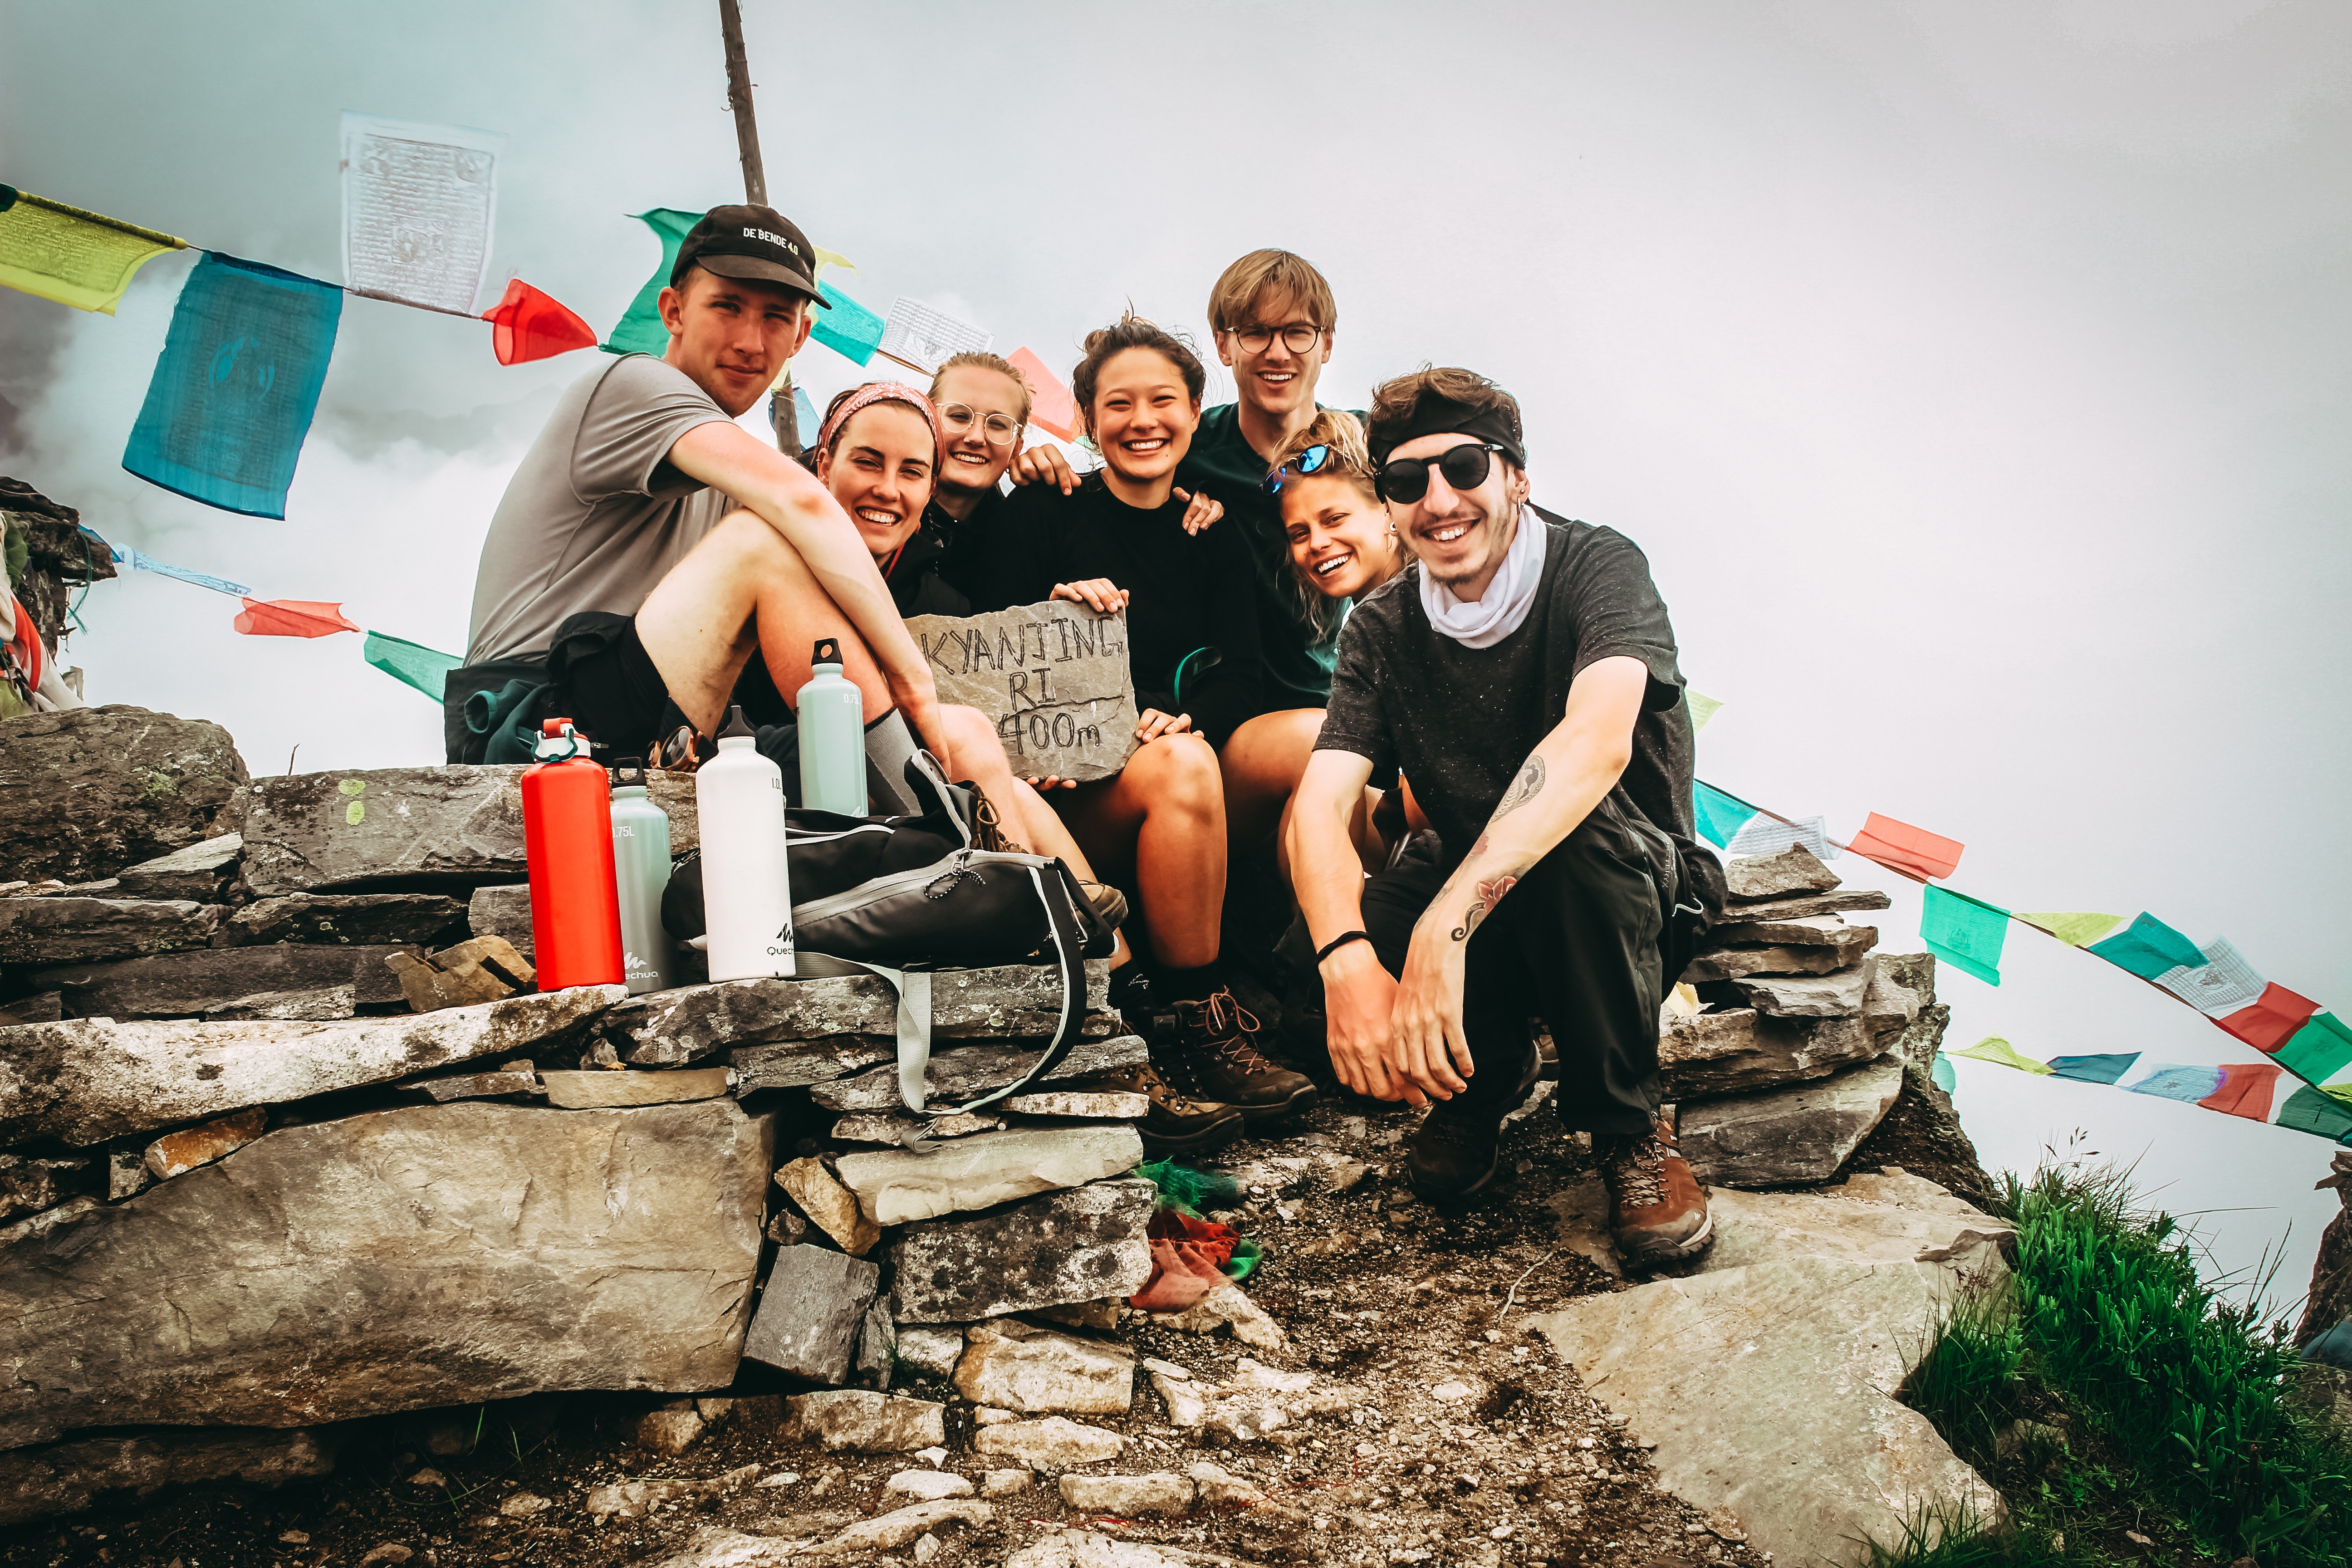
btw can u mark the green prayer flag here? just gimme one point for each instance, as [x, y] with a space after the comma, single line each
[2319, 1050]
[640, 330]
[2310, 1109]
[848, 328]
[1702, 707]
[1965, 933]
[1721, 816]
[1993, 1048]
[2075, 930]
[2149, 948]
[410, 664]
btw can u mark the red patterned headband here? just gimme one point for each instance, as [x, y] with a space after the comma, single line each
[875, 392]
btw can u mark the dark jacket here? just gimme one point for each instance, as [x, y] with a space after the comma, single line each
[913, 576]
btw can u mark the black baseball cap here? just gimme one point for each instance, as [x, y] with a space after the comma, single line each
[758, 244]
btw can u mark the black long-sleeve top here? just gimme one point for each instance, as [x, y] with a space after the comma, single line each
[1189, 592]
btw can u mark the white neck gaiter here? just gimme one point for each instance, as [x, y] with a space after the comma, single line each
[1508, 597]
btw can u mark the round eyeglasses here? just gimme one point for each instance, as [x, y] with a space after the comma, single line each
[999, 428]
[1298, 337]
[1406, 479]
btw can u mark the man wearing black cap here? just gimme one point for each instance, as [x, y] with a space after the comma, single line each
[1522, 672]
[648, 547]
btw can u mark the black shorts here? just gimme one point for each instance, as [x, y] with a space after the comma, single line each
[606, 683]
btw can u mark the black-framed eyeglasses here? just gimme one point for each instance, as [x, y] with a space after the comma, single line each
[1307, 462]
[1298, 337]
[999, 428]
[1406, 479]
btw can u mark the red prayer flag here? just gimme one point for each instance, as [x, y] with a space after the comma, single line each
[1050, 403]
[292, 618]
[2272, 1021]
[2245, 1090]
[1899, 847]
[528, 325]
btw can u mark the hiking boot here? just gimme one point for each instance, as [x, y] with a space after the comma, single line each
[1177, 1123]
[1108, 902]
[1212, 1054]
[1657, 1210]
[1457, 1150]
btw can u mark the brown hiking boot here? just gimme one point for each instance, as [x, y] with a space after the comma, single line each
[1177, 1123]
[1657, 1210]
[1212, 1055]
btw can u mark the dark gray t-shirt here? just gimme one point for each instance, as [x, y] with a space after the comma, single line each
[1460, 721]
[595, 515]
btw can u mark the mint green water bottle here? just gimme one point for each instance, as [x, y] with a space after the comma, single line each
[641, 870]
[833, 736]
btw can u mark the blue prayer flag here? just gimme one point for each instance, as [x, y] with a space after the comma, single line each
[2093, 1070]
[1965, 933]
[238, 381]
[1721, 816]
[849, 329]
[2192, 1084]
[2148, 947]
[217, 585]
[805, 415]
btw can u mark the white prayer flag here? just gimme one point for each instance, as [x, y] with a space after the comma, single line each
[1763, 835]
[924, 335]
[2218, 987]
[419, 204]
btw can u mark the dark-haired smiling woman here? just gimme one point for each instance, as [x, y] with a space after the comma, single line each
[1118, 541]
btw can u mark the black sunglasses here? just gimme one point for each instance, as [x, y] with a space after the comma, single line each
[1307, 462]
[1406, 479]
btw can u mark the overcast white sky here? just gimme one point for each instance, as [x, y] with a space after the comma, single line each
[1975, 378]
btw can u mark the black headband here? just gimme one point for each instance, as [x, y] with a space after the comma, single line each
[1435, 416]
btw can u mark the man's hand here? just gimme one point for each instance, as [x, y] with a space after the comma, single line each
[1200, 510]
[1358, 998]
[1100, 594]
[1428, 1045]
[1044, 463]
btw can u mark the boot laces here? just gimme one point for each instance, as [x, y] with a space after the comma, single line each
[1163, 1093]
[1228, 1027]
[1638, 1171]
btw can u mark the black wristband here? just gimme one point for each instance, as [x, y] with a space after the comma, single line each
[1337, 943]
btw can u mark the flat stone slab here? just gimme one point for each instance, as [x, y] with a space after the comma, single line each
[694, 1021]
[1083, 1243]
[1803, 905]
[1739, 1051]
[397, 919]
[896, 1185]
[1808, 931]
[1837, 994]
[66, 929]
[811, 1313]
[86, 793]
[589, 1090]
[397, 1260]
[91, 1079]
[1752, 879]
[195, 872]
[1787, 1137]
[1083, 1105]
[1769, 1390]
[503, 910]
[68, 1477]
[418, 828]
[282, 981]
[1730, 962]
[965, 1073]
[864, 1423]
[873, 1127]
[1013, 1365]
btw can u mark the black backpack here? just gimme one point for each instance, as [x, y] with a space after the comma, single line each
[902, 896]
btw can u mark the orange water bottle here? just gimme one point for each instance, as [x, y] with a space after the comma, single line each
[567, 835]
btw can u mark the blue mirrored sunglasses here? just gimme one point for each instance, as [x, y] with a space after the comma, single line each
[1307, 462]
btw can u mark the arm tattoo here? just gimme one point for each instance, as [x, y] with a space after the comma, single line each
[1490, 890]
[1489, 894]
[1524, 788]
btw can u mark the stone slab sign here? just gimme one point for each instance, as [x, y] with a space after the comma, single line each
[1083, 1244]
[1789, 1136]
[896, 1185]
[85, 793]
[282, 981]
[91, 1079]
[1769, 1390]
[1053, 677]
[342, 1269]
[811, 1313]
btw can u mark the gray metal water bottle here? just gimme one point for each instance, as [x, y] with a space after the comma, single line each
[833, 736]
[641, 869]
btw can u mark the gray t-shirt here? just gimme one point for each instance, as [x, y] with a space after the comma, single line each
[596, 515]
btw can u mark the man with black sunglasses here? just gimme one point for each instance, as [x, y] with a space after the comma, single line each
[1523, 674]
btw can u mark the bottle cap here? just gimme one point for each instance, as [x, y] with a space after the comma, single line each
[738, 727]
[828, 651]
[629, 773]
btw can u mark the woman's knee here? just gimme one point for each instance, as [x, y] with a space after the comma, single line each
[1180, 772]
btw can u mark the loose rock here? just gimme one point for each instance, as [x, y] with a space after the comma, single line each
[929, 1486]
[672, 1429]
[86, 793]
[28, 1185]
[591, 1090]
[899, 1186]
[1083, 1243]
[177, 1153]
[1789, 1136]
[1016, 1366]
[195, 872]
[864, 1423]
[1128, 1496]
[811, 1313]
[1808, 931]
[1052, 1444]
[933, 1352]
[1837, 994]
[1708, 1055]
[867, 1127]
[833, 1207]
[1752, 879]
[1081, 1105]
[479, 969]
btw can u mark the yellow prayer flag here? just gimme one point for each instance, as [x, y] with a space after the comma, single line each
[835, 258]
[1993, 1048]
[1702, 707]
[2076, 929]
[73, 257]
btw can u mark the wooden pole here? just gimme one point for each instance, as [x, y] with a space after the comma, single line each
[781, 416]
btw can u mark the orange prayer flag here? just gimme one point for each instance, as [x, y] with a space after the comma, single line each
[292, 618]
[529, 324]
[2272, 1021]
[1899, 847]
[1050, 403]
[2245, 1090]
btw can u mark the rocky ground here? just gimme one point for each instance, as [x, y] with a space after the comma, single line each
[1466, 1442]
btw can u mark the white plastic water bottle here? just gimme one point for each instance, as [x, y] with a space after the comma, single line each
[747, 898]
[832, 714]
